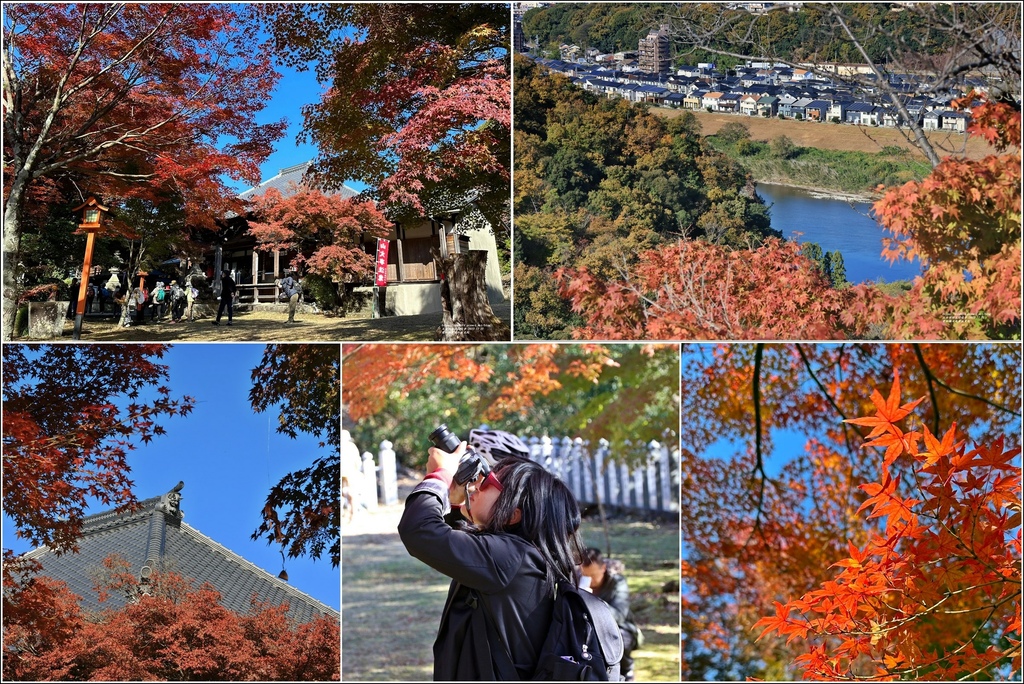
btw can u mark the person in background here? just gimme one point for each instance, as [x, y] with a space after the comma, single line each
[177, 297]
[191, 297]
[290, 288]
[604, 579]
[227, 296]
[159, 295]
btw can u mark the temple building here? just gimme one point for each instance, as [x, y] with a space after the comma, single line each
[156, 539]
[413, 281]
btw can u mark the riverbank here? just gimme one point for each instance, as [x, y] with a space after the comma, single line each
[834, 173]
[819, 193]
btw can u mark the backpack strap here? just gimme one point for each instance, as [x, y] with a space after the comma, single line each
[505, 668]
[607, 629]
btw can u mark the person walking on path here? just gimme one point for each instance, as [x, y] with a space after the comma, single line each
[191, 296]
[227, 296]
[290, 288]
[159, 307]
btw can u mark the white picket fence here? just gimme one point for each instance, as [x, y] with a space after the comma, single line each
[593, 475]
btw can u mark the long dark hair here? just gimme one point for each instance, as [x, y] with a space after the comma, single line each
[550, 515]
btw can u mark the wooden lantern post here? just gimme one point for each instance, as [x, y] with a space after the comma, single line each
[92, 218]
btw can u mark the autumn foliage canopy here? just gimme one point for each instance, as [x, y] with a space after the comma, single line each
[173, 632]
[622, 393]
[897, 607]
[418, 103]
[72, 415]
[138, 98]
[698, 290]
[325, 231]
[834, 531]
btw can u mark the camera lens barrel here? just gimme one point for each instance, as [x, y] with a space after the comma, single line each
[471, 466]
[444, 439]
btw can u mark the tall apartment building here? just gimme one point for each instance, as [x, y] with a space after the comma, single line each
[654, 52]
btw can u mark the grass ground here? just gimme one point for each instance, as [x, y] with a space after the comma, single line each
[829, 136]
[392, 603]
[272, 326]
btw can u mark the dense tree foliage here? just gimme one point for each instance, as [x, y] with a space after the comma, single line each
[697, 290]
[71, 416]
[898, 560]
[417, 104]
[616, 392]
[599, 182]
[129, 100]
[173, 632]
[303, 512]
[324, 231]
[963, 223]
[609, 27]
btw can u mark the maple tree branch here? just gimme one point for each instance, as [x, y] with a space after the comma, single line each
[883, 83]
[759, 463]
[936, 423]
[941, 383]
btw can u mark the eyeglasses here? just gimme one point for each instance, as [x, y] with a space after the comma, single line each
[490, 480]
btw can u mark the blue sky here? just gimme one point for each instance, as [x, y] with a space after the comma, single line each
[228, 457]
[295, 89]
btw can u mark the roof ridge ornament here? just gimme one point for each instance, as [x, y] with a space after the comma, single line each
[170, 503]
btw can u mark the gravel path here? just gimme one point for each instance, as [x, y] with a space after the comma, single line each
[272, 326]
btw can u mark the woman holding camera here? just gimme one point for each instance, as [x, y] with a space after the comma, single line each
[523, 533]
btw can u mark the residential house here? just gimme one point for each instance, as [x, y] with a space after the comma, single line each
[799, 107]
[817, 110]
[729, 102]
[859, 112]
[837, 110]
[710, 101]
[785, 99]
[748, 105]
[675, 100]
[694, 100]
[767, 105]
[891, 118]
[955, 121]
[932, 120]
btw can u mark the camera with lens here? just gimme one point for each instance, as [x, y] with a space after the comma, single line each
[471, 466]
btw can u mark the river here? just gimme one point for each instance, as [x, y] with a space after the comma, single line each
[835, 225]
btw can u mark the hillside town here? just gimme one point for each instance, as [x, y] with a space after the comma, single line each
[826, 92]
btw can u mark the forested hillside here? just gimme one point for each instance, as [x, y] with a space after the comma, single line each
[598, 181]
[631, 226]
[803, 35]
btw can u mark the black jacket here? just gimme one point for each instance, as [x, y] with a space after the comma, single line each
[500, 574]
[615, 592]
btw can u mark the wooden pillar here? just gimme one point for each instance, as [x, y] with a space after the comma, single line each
[277, 264]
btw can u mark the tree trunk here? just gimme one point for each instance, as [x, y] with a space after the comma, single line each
[468, 316]
[12, 258]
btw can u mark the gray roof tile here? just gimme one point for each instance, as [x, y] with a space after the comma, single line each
[287, 180]
[152, 533]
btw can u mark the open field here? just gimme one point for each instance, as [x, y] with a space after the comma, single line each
[829, 136]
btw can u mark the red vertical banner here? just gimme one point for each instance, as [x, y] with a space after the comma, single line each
[381, 270]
